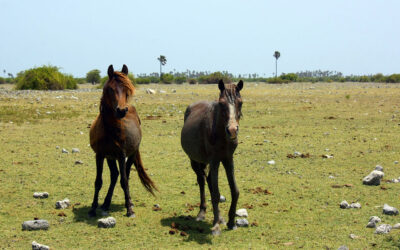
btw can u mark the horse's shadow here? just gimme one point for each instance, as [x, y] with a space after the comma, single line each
[198, 231]
[81, 213]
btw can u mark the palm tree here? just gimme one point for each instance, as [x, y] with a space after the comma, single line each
[277, 54]
[163, 61]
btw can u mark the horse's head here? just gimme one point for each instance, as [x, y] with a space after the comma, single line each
[230, 103]
[117, 91]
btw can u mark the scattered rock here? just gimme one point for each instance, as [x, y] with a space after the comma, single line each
[373, 221]
[374, 178]
[150, 91]
[331, 177]
[156, 207]
[344, 204]
[242, 222]
[35, 225]
[271, 162]
[40, 195]
[75, 150]
[353, 236]
[173, 91]
[242, 212]
[383, 229]
[379, 168]
[343, 248]
[390, 210]
[64, 151]
[327, 156]
[37, 246]
[396, 162]
[78, 162]
[355, 205]
[162, 91]
[63, 204]
[57, 147]
[222, 198]
[106, 222]
[396, 226]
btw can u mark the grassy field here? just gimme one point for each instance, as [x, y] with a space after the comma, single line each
[357, 123]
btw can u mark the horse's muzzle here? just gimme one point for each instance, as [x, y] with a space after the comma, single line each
[232, 132]
[121, 112]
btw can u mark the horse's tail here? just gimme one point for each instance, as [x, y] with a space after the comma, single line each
[144, 178]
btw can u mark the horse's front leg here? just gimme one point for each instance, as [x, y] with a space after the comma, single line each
[230, 173]
[97, 184]
[125, 186]
[215, 196]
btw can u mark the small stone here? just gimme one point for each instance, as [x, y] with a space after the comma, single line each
[271, 162]
[37, 246]
[396, 162]
[106, 222]
[355, 205]
[173, 91]
[78, 162]
[64, 151]
[327, 156]
[296, 153]
[390, 210]
[375, 219]
[75, 150]
[63, 204]
[374, 178]
[222, 198]
[396, 226]
[383, 229]
[242, 223]
[379, 168]
[150, 91]
[343, 248]
[331, 177]
[35, 225]
[40, 195]
[57, 147]
[344, 204]
[353, 236]
[371, 224]
[242, 212]
[162, 91]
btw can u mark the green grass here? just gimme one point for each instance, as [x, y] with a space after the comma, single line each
[358, 123]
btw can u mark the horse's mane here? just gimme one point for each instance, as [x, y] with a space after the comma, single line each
[125, 81]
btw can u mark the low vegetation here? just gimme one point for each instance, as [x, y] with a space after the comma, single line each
[45, 78]
[292, 203]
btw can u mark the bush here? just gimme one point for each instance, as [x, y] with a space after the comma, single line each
[167, 78]
[215, 78]
[180, 79]
[2, 80]
[394, 78]
[277, 80]
[93, 76]
[80, 80]
[192, 81]
[291, 77]
[154, 79]
[142, 80]
[45, 78]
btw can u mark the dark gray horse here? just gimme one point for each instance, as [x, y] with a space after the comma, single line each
[209, 136]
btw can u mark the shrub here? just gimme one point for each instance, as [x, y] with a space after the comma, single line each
[277, 80]
[80, 80]
[154, 79]
[93, 76]
[192, 81]
[180, 79]
[142, 80]
[167, 78]
[45, 78]
[214, 78]
[291, 77]
[394, 78]
[2, 80]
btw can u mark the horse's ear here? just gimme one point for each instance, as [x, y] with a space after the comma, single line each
[124, 70]
[221, 85]
[110, 71]
[239, 86]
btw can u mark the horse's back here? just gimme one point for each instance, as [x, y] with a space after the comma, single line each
[195, 131]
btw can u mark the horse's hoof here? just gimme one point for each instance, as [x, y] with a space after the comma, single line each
[92, 213]
[131, 215]
[232, 226]
[216, 230]
[200, 217]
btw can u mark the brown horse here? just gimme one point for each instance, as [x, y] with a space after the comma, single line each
[116, 135]
[209, 136]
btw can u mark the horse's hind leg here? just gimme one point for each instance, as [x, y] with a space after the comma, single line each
[97, 184]
[114, 177]
[199, 170]
[229, 169]
[125, 186]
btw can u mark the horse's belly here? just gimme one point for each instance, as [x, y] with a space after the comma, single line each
[132, 136]
[193, 143]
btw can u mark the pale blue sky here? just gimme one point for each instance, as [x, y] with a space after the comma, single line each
[240, 36]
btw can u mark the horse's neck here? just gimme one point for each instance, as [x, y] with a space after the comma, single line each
[110, 122]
